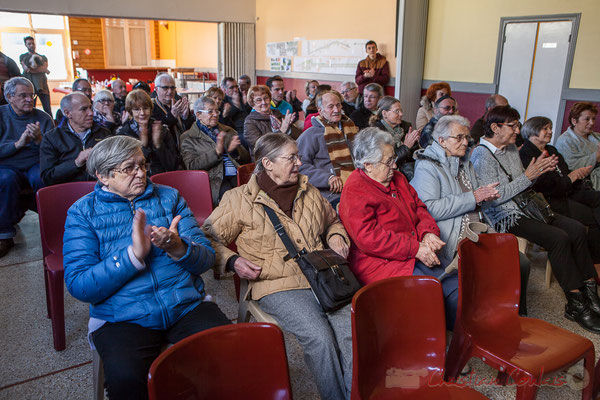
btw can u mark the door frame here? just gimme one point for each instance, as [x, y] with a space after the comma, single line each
[575, 20]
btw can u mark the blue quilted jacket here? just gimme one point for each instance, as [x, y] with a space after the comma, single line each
[98, 269]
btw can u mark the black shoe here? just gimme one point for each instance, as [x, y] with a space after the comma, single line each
[579, 310]
[590, 289]
[5, 246]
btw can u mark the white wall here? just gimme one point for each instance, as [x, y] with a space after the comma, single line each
[185, 10]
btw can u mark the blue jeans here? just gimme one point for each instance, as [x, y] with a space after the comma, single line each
[449, 288]
[12, 182]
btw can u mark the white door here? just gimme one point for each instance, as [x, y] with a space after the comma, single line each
[532, 69]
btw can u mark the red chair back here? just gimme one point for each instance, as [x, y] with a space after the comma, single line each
[194, 186]
[398, 335]
[53, 202]
[244, 173]
[490, 281]
[227, 362]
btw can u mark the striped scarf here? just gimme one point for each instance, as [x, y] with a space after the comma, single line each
[338, 143]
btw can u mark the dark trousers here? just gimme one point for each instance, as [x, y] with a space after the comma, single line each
[566, 242]
[229, 182]
[127, 350]
[45, 100]
[12, 182]
[588, 216]
[449, 288]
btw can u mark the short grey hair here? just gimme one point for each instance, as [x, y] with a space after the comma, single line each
[67, 101]
[270, 146]
[110, 153]
[10, 86]
[202, 102]
[103, 94]
[349, 83]
[443, 127]
[159, 78]
[374, 87]
[367, 146]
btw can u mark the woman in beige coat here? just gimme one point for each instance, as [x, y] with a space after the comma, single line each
[279, 285]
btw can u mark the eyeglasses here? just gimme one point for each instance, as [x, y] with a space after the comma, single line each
[106, 101]
[84, 89]
[389, 163]
[212, 112]
[235, 87]
[133, 169]
[397, 111]
[513, 125]
[292, 158]
[348, 90]
[24, 96]
[448, 108]
[460, 138]
[167, 87]
[261, 100]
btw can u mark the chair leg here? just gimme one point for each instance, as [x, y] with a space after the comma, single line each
[548, 274]
[502, 378]
[97, 376]
[458, 354]
[528, 391]
[591, 390]
[47, 287]
[57, 305]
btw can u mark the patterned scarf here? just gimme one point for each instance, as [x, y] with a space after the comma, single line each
[338, 143]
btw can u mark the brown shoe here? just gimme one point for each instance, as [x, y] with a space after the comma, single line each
[5, 246]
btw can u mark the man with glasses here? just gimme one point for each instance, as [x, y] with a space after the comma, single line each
[445, 105]
[234, 107]
[21, 129]
[352, 98]
[325, 147]
[35, 68]
[173, 112]
[65, 150]
[371, 95]
[213, 147]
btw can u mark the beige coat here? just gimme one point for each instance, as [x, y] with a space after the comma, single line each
[240, 218]
[199, 152]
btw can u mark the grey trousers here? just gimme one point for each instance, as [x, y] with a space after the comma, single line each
[326, 338]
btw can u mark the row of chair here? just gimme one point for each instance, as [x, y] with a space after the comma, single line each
[488, 325]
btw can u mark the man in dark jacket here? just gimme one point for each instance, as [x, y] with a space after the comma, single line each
[352, 98]
[371, 95]
[494, 100]
[234, 107]
[65, 149]
[119, 90]
[174, 113]
[445, 105]
[8, 69]
[21, 129]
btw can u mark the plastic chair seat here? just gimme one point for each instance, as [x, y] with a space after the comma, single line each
[533, 345]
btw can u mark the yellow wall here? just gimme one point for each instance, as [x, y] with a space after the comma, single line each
[318, 19]
[190, 44]
[462, 37]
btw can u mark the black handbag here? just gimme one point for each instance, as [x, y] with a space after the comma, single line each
[532, 203]
[327, 272]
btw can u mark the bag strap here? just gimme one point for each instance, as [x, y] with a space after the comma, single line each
[287, 242]
[498, 161]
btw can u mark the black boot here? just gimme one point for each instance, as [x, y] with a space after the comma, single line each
[579, 310]
[590, 289]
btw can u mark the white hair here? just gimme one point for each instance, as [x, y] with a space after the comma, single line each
[443, 128]
[159, 78]
[367, 146]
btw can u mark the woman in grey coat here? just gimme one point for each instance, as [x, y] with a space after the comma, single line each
[496, 159]
[445, 181]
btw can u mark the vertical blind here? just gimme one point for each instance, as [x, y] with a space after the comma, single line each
[236, 50]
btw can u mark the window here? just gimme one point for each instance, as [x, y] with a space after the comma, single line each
[126, 43]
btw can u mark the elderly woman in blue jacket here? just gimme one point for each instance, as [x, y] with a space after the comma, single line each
[446, 182]
[134, 251]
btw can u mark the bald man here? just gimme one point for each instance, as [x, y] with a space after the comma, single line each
[491, 102]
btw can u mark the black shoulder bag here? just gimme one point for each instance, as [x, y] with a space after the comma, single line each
[532, 203]
[327, 272]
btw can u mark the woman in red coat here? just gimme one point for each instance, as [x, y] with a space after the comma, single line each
[392, 233]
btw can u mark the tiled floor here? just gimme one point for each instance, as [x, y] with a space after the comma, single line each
[31, 369]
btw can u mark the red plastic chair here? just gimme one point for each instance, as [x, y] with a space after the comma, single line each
[53, 202]
[488, 325]
[399, 341]
[244, 173]
[194, 186]
[227, 362]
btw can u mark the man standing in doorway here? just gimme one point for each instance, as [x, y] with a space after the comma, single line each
[35, 68]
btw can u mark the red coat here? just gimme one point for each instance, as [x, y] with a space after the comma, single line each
[385, 225]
